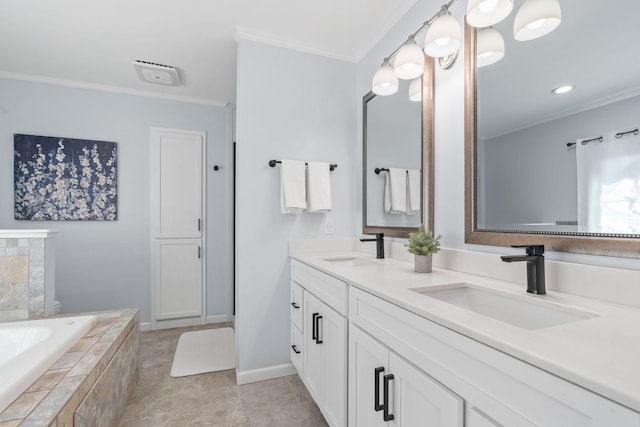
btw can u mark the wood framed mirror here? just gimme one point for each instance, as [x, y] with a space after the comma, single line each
[397, 133]
[564, 231]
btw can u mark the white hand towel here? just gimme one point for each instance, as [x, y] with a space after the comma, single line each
[319, 187]
[293, 189]
[413, 191]
[395, 191]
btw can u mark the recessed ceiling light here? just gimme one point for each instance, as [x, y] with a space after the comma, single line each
[562, 89]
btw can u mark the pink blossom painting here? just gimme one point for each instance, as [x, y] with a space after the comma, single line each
[64, 179]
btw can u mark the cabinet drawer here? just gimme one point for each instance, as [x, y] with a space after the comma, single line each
[297, 346]
[499, 385]
[296, 305]
[327, 288]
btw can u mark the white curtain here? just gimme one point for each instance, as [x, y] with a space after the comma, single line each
[609, 184]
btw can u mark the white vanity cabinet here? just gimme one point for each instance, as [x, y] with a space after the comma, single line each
[497, 389]
[384, 389]
[323, 328]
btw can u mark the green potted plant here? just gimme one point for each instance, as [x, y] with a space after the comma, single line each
[422, 244]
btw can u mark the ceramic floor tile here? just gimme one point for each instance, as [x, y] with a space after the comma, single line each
[299, 389]
[266, 394]
[212, 399]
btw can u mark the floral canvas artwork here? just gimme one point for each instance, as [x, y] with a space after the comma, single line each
[64, 179]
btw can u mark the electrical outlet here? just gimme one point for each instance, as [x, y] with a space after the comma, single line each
[328, 225]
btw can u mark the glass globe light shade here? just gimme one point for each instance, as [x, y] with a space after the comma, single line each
[385, 81]
[443, 37]
[490, 47]
[535, 18]
[409, 62]
[415, 90]
[484, 13]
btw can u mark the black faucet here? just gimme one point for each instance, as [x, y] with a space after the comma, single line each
[379, 244]
[535, 267]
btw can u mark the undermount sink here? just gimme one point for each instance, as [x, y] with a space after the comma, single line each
[523, 311]
[350, 261]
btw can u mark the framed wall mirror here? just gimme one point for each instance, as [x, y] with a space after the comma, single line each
[398, 140]
[561, 170]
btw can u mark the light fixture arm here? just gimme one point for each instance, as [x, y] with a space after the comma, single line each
[444, 10]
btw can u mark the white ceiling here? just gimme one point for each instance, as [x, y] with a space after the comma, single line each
[594, 48]
[93, 42]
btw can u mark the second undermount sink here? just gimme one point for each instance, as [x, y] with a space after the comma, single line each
[350, 261]
[523, 311]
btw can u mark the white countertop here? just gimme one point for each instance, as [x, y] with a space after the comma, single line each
[601, 354]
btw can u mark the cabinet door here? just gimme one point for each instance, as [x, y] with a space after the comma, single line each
[368, 362]
[314, 353]
[419, 400]
[297, 348]
[177, 171]
[477, 418]
[325, 359]
[178, 278]
[296, 305]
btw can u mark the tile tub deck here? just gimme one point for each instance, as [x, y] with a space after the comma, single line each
[90, 383]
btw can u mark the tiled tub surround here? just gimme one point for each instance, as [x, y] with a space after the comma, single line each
[27, 275]
[599, 354]
[89, 384]
[30, 347]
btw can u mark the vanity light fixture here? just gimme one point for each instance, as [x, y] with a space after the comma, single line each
[415, 90]
[385, 81]
[409, 62]
[562, 89]
[535, 18]
[444, 35]
[484, 13]
[490, 46]
[444, 42]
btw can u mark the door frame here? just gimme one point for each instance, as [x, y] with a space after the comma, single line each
[154, 162]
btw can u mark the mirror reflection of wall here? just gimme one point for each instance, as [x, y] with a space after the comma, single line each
[394, 140]
[527, 177]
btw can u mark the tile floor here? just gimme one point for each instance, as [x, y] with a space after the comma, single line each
[212, 399]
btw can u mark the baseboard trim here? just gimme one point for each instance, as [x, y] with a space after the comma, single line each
[192, 321]
[219, 318]
[255, 375]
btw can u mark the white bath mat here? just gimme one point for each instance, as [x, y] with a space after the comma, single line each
[203, 351]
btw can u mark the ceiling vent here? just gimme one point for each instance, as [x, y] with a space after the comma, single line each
[156, 73]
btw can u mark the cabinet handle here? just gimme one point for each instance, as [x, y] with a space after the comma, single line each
[385, 390]
[199, 224]
[376, 391]
[294, 305]
[314, 325]
[295, 349]
[318, 340]
[199, 250]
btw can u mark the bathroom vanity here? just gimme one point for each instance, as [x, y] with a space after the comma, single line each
[375, 342]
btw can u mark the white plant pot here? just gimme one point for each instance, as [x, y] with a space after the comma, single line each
[423, 263]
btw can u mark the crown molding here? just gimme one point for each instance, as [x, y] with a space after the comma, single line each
[248, 35]
[110, 89]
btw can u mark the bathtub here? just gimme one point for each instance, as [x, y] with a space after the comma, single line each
[29, 348]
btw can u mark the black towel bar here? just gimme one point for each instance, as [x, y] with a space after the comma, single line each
[273, 163]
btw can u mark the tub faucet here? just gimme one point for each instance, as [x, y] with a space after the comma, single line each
[535, 267]
[379, 244]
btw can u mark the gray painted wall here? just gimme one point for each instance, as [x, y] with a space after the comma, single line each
[290, 106]
[531, 174]
[105, 265]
